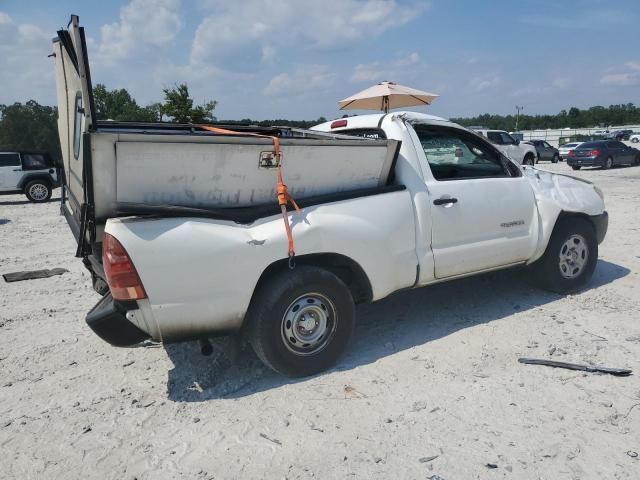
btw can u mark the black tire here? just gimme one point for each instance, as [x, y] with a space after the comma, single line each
[608, 163]
[276, 316]
[636, 162]
[635, 140]
[576, 167]
[38, 191]
[548, 270]
[529, 160]
[555, 159]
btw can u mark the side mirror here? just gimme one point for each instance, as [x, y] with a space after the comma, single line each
[517, 142]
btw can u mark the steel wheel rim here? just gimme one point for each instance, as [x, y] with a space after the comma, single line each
[308, 324]
[38, 191]
[574, 255]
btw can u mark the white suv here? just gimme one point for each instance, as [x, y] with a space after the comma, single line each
[522, 153]
[33, 174]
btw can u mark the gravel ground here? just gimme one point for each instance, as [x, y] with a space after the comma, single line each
[431, 387]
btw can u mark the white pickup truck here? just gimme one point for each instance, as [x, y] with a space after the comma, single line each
[452, 205]
[520, 152]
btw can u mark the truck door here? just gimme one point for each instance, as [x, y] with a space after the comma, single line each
[483, 210]
[76, 117]
[10, 171]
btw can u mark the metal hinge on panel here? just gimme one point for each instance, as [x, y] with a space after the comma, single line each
[269, 160]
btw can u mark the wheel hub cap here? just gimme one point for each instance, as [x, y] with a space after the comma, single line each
[308, 324]
[38, 192]
[573, 257]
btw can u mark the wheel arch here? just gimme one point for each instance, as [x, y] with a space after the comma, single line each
[35, 176]
[345, 268]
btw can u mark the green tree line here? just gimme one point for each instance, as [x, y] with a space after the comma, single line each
[33, 127]
[597, 116]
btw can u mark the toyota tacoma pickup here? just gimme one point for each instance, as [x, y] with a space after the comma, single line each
[451, 205]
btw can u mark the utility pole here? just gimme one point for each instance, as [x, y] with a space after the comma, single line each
[518, 110]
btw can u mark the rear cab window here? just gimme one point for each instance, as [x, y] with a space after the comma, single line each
[373, 133]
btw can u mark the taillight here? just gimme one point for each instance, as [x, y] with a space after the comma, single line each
[122, 277]
[571, 153]
[595, 153]
[339, 124]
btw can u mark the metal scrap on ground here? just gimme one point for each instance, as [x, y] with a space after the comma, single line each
[621, 372]
[19, 276]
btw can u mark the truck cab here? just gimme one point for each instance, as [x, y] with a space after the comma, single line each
[31, 173]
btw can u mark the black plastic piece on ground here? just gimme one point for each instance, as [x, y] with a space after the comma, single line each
[108, 320]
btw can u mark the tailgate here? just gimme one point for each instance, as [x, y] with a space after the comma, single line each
[76, 117]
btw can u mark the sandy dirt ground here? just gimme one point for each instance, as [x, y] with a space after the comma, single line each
[430, 388]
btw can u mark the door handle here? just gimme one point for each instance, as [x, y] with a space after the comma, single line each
[17, 169]
[444, 201]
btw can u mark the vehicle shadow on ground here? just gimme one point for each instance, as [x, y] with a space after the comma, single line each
[25, 202]
[398, 323]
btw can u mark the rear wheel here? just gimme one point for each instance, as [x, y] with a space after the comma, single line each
[529, 160]
[636, 162]
[576, 167]
[38, 191]
[301, 321]
[570, 258]
[608, 163]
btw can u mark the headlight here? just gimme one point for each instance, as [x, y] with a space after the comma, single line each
[599, 192]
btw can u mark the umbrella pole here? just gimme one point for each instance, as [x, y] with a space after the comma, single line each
[385, 103]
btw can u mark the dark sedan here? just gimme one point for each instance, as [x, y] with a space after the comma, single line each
[604, 153]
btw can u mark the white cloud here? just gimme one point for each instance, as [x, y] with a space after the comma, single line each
[484, 82]
[624, 76]
[303, 79]
[389, 70]
[25, 71]
[291, 24]
[143, 24]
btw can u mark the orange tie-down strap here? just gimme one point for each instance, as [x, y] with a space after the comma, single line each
[282, 193]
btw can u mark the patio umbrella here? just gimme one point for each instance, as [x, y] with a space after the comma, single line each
[385, 96]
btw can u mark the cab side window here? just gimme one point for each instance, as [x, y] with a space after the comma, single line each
[9, 160]
[454, 156]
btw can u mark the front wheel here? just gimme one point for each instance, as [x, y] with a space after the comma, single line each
[634, 140]
[555, 159]
[301, 321]
[38, 191]
[576, 167]
[529, 160]
[570, 258]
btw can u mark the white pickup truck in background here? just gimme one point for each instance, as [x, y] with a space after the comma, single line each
[451, 205]
[520, 152]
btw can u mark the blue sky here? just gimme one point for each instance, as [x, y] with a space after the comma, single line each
[296, 58]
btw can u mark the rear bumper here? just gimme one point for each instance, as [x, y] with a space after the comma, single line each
[108, 320]
[601, 224]
[584, 161]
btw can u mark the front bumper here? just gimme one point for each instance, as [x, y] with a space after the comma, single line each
[601, 224]
[108, 320]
